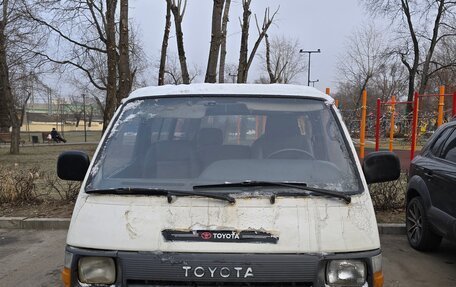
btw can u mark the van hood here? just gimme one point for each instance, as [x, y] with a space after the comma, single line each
[293, 224]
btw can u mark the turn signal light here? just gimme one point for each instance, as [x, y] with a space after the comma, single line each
[66, 277]
[378, 279]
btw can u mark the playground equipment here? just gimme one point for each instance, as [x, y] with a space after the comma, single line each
[441, 95]
[393, 104]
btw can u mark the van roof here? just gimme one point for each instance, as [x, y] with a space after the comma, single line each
[230, 89]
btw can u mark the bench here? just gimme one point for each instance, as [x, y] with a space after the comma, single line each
[6, 138]
[44, 137]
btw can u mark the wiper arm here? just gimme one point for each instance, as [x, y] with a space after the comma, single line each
[319, 191]
[161, 191]
[247, 183]
[296, 185]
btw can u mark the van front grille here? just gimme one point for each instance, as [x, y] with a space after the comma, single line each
[144, 283]
[205, 268]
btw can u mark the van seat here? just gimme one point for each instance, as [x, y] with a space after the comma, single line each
[282, 133]
[171, 159]
[210, 147]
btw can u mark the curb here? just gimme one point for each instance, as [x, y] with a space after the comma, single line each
[64, 223]
[392, 228]
[34, 223]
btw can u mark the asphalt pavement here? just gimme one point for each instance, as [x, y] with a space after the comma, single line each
[405, 267]
[32, 258]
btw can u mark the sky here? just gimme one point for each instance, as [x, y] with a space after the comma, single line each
[317, 24]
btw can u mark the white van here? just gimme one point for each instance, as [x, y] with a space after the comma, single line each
[225, 185]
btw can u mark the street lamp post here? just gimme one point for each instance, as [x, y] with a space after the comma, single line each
[84, 109]
[308, 68]
[313, 82]
[233, 77]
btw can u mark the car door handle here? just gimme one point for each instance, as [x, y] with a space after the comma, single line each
[429, 173]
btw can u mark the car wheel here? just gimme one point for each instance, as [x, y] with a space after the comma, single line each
[419, 232]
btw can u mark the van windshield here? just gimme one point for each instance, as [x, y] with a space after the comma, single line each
[181, 142]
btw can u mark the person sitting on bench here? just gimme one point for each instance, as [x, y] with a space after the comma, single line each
[56, 136]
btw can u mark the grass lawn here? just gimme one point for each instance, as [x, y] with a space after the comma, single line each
[70, 136]
[43, 160]
[43, 157]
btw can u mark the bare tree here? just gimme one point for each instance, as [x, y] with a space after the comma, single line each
[5, 122]
[390, 79]
[18, 66]
[362, 58]
[178, 9]
[111, 59]
[87, 32]
[281, 59]
[173, 72]
[76, 108]
[246, 59]
[424, 21]
[216, 37]
[225, 20]
[164, 48]
[125, 74]
[444, 65]
[245, 28]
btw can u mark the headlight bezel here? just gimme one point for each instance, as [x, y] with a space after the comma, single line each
[361, 269]
[104, 270]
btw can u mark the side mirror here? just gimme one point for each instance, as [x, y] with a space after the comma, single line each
[381, 166]
[72, 165]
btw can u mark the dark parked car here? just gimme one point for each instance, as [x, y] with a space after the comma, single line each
[431, 191]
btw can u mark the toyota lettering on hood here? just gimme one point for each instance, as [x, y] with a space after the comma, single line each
[246, 236]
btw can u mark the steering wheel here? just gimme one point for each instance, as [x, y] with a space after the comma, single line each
[291, 150]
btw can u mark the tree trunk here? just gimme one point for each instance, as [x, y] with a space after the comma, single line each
[5, 122]
[23, 108]
[6, 86]
[9, 100]
[77, 118]
[430, 53]
[164, 48]
[416, 54]
[264, 30]
[216, 34]
[111, 89]
[360, 95]
[125, 76]
[225, 21]
[243, 54]
[90, 116]
[272, 77]
[180, 42]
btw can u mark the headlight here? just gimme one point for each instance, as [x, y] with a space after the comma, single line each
[346, 273]
[97, 270]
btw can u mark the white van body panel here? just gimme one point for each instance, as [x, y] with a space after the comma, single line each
[303, 224]
[230, 89]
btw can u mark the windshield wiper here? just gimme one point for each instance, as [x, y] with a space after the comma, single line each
[160, 191]
[296, 185]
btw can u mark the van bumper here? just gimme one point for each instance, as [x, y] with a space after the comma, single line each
[141, 269]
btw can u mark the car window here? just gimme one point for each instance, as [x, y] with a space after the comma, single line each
[449, 149]
[438, 144]
[237, 130]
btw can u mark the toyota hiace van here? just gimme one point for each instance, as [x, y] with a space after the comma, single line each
[225, 185]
